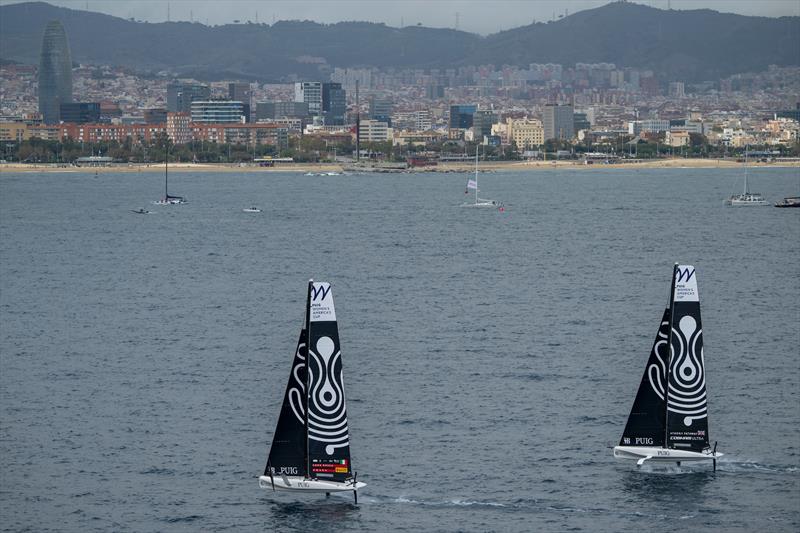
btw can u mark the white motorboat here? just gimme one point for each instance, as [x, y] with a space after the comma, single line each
[251, 209]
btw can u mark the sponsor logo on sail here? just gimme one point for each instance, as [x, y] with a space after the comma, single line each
[319, 291]
[684, 274]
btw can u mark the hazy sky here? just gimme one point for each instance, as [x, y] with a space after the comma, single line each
[479, 16]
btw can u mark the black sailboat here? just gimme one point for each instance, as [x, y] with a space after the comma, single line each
[311, 446]
[669, 418]
[168, 199]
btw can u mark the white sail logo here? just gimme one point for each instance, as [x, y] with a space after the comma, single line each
[687, 384]
[327, 416]
[297, 391]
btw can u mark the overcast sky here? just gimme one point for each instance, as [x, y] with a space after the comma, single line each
[479, 16]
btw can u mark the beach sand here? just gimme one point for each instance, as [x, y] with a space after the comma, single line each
[493, 166]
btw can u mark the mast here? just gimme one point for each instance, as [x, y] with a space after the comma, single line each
[358, 127]
[308, 357]
[745, 169]
[476, 174]
[166, 171]
[669, 354]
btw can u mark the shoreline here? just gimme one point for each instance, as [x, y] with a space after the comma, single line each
[492, 166]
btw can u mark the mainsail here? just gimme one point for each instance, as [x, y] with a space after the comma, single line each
[687, 409]
[287, 456]
[646, 422]
[328, 435]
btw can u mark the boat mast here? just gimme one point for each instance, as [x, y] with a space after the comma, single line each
[308, 357]
[476, 174]
[166, 170]
[669, 354]
[745, 169]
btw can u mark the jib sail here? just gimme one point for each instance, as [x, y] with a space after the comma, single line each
[287, 456]
[646, 422]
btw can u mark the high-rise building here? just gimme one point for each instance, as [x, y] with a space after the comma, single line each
[482, 122]
[55, 72]
[181, 95]
[334, 103]
[381, 109]
[80, 112]
[309, 92]
[558, 122]
[461, 116]
[241, 92]
[580, 122]
[217, 111]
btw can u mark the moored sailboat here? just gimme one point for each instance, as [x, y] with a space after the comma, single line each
[168, 199]
[747, 198]
[669, 418]
[473, 184]
[311, 446]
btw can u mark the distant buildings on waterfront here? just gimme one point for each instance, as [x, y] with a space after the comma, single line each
[520, 107]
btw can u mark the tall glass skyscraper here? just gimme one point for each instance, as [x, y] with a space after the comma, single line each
[55, 72]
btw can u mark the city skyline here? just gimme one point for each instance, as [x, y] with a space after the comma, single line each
[475, 17]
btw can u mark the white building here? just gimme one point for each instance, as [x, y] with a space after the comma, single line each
[374, 131]
[309, 92]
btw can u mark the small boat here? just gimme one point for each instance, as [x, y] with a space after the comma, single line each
[311, 446]
[747, 198]
[252, 209]
[140, 211]
[669, 418]
[168, 199]
[473, 184]
[789, 201]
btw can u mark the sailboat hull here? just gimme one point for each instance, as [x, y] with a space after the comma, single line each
[662, 455]
[297, 483]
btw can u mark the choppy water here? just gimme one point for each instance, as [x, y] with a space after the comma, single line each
[490, 358]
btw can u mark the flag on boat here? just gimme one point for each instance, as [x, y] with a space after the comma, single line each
[472, 184]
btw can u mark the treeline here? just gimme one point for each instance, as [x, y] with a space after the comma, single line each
[314, 149]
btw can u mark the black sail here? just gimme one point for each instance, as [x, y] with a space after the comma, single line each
[287, 456]
[687, 408]
[646, 422]
[328, 434]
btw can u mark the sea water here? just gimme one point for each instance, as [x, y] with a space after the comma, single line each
[491, 358]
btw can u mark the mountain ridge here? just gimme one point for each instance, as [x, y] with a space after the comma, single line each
[690, 45]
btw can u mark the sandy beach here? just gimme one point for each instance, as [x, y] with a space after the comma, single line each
[491, 166]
